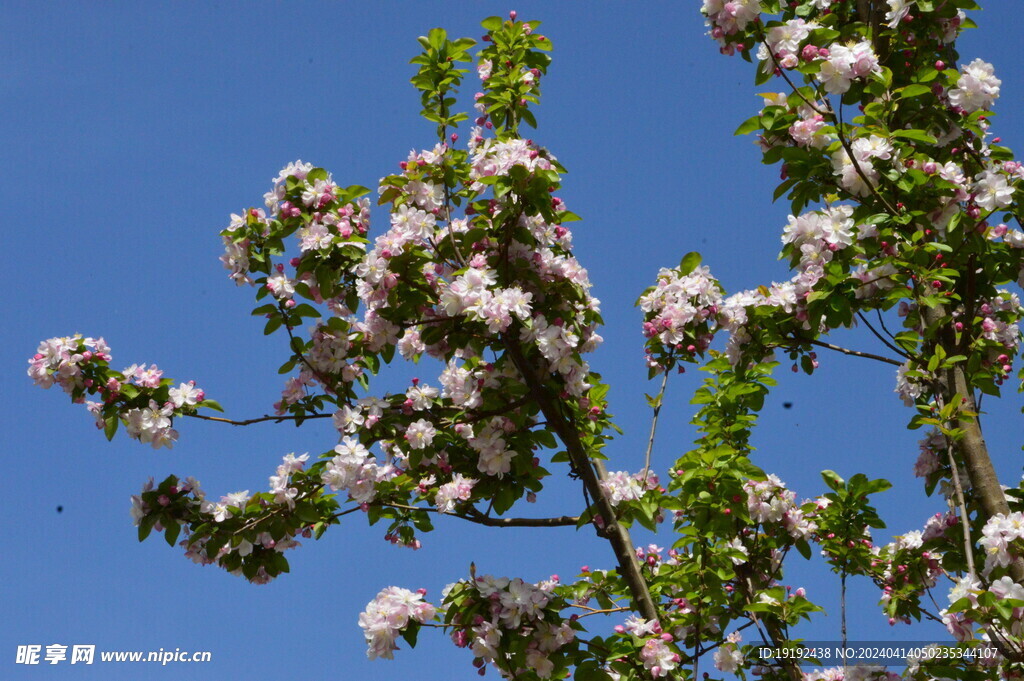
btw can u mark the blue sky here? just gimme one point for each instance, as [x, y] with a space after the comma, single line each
[135, 129]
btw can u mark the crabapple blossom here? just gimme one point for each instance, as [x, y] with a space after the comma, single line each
[658, 657]
[729, 657]
[420, 434]
[1000, 539]
[352, 469]
[991, 191]
[620, 486]
[846, 63]
[977, 88]
[459, 489]
[186, 394]
[387, 615]
[729, 16]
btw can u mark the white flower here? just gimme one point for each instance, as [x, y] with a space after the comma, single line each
[977, 88]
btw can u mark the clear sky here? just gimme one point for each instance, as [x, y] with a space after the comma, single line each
[133, 130]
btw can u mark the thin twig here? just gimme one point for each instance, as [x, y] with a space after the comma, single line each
[261, 419]
[965, 519]
[885, 341]
[475, 516]
[654, 426]
[854, 353]
[595, 611]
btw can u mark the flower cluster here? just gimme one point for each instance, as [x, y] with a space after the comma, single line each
[726, 18]
[769, 502]
[622, 487]
[388, 615]
[859, 672]
[138, 397]
[61, 361]
[354, 470]
[842, 64]
[932, 456]
[857, 173]
[680, 313]
[511, 624]
[245, 534]
[1002, 540]
[729, 657]
[977, 88]
[905, 570]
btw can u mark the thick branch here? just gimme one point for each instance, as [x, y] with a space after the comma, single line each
[591, 472]
[982, 474]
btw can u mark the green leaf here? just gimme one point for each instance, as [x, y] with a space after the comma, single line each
[689, 262]
[832, 479]
[748, 126]
[211, 404]
[589, 671]
[436, 38]
[916, 135]
[306, 310]
[110, 426]
[171, 533]
[410, 633]
[146, 526]
[915, 90]
[273, 324]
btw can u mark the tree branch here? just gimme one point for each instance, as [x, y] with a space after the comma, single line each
[885, 341]
[654, 427]
[848, 351]
[475, 516]
[261, 419]
[592, 472]
[982, 474]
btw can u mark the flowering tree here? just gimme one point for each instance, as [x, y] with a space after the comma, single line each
[906, 234]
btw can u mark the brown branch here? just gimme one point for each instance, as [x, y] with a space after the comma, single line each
[654, 427]
[475, 516]
[302, 357]
[848, 351]
[953, 387]
[261, 419]
[598, 611]
[885, 341]
[965, 519]
[591, 472]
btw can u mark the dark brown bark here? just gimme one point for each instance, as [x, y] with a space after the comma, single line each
[591, 472]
